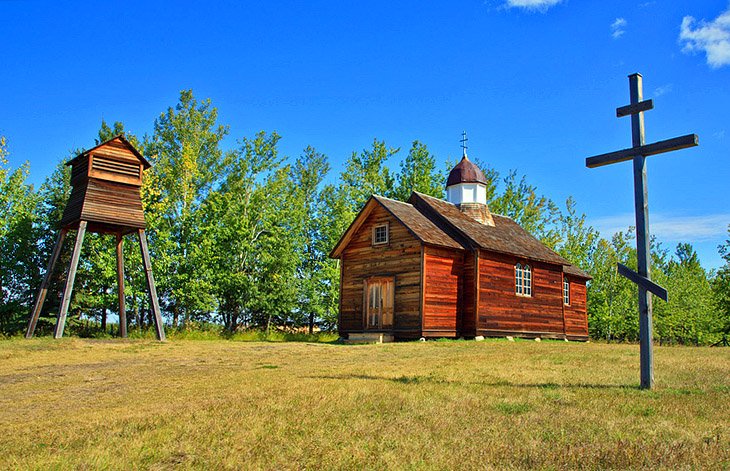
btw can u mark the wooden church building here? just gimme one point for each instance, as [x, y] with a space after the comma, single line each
[435, 268]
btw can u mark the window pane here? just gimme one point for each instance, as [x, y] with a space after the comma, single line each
[380, 235]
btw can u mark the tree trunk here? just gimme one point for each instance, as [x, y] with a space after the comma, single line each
[103, 320]
[311, 323]
[137, 318]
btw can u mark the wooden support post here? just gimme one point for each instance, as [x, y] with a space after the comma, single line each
[151, 285]
[41, 298]
[66, 299]
[120, 286]
[643, 240]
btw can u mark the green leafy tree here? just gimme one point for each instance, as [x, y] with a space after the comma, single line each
[187, 163]
[578, 241]
[242, 219]
[418, 172]
[366, 174]
[721, 291]
[520, 201]
[307, 176]
[18, 251]
[612, 304]
[690, 316]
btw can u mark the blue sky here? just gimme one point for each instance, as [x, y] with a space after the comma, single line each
[535, 83]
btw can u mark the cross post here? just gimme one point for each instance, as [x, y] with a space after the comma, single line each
[643, 241]
[638, 153]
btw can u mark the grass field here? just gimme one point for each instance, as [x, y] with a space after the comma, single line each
[85, 404]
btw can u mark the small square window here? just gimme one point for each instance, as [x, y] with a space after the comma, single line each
[380, 234]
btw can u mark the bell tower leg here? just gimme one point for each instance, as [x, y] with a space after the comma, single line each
[41, 298]
[151, 285]
[120, 285]
[66, 299]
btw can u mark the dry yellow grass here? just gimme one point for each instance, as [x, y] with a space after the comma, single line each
[81, 404]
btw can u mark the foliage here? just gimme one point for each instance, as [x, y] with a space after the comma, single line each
[418, 172]
[187, 162]
[18, 254]
[240, 238]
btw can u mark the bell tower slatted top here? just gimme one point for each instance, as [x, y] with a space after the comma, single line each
[106, 182]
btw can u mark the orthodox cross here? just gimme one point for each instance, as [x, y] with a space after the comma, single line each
[463, 143]
[638, 153]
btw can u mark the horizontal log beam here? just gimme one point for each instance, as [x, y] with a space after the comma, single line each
[677, 143]
[634, 108]
[643, 282]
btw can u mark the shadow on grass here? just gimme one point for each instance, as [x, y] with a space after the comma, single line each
[495, 384]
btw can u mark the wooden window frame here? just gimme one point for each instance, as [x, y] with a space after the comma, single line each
[523, 280]
[566, 292]
[387, 234]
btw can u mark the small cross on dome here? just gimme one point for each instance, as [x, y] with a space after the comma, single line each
[463, 143]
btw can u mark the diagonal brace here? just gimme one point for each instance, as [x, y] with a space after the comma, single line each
[643, 282]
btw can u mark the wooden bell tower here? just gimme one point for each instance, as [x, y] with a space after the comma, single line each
[105, 198]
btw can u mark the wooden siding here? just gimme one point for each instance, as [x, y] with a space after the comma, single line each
[443, 269]
[576, 318]
[400, 258]
[501, 311]
[469, 296]
[104, 202]
[80, 171]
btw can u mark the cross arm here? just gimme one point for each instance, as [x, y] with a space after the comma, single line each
[644, 282]
[634, 108]
[682, 142]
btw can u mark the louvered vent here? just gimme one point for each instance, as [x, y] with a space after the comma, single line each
[105, 164]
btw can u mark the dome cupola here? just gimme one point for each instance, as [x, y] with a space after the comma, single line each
[466, 187]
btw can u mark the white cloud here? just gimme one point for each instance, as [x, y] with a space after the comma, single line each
[669, 228]
[618, 27]
[663, 90]
[539, 5]
[712, 38]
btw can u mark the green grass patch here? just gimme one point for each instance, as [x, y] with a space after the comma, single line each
[512, 408]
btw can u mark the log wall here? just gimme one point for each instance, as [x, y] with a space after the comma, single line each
[469, 296]
[576, 319]
[443, 293]
[400, 258]
[502, 312]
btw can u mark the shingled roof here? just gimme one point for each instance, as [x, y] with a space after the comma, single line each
[506, 236]
[438, 222]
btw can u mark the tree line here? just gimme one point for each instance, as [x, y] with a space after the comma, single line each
[240, 238]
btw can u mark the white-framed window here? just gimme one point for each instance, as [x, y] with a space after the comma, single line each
[380, 234]
[566, 292]
[523, 280]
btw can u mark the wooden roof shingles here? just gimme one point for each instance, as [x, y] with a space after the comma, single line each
[506, 236]
[421, 226]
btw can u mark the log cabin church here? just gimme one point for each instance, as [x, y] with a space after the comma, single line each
[432, 268]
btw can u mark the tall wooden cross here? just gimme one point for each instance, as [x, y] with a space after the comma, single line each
[638, 153]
